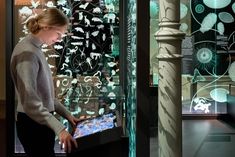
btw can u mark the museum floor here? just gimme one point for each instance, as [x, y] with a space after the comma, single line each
[201, 138]
[208, 138]
[205, 138]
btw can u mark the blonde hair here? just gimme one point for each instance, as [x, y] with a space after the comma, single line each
[51, 17]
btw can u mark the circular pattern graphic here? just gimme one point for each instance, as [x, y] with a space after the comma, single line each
[199, 8]
[204, 55]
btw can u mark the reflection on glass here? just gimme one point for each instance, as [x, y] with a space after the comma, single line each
[154, 13]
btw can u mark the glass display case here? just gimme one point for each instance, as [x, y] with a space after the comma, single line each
[94, 68]
[86, 64]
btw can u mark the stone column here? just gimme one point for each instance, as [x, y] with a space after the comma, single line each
[169, 39]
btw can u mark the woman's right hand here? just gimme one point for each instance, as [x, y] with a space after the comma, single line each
[67, 141]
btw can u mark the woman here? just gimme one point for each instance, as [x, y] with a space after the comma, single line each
[36, 125]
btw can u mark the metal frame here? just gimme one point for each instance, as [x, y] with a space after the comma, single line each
[143, 88]
[10, 93]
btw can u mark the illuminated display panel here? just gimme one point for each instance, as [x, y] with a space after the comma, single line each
[85, 65]
[208, 50]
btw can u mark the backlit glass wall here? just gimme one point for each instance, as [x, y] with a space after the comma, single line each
[85, 64]
[208, 50]
[131, 74]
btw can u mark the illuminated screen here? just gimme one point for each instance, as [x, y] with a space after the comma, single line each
[94, 125]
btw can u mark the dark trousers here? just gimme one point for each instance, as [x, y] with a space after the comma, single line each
[38, 140]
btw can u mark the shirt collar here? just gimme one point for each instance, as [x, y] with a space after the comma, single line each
[35, 41]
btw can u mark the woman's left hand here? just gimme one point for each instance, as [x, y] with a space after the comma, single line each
[73, 120]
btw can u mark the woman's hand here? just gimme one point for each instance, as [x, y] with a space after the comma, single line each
[73, 120]
[67, 141]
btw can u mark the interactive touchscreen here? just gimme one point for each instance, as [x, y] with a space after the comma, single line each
[94, 125]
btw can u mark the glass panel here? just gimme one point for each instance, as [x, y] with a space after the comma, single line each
[208, 54]
[154, 21]
[85, 65]
[131, 76]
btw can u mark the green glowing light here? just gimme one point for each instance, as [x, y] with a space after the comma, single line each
[154, 9]
[197, 76]
[226, 17]
[199, 8]
[204, 55]
[184, 27]
[233, 7]
[216, 4]
[219, 94]
[208, 22]
[231, 71]
[220, 28]
[183, 10]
